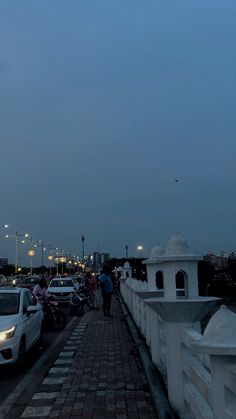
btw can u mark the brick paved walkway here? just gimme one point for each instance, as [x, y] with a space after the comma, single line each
[97, 375]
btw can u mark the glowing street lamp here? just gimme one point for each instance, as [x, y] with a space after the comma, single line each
[31, 254]
[62, 260]
[50, 258]
[140, 248]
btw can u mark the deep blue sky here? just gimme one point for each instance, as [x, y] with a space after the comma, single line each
[103, 103]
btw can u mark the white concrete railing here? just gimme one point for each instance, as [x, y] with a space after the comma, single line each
[208, 381]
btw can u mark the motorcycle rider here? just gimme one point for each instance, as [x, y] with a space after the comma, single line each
[40, 290]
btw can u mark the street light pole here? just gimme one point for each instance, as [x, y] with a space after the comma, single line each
[126, 251]
[16, 236]
[50, 258]
[82, 239]
[42, 257]
[16, 263]
[57, 266]
[31, 253]
[44, 248]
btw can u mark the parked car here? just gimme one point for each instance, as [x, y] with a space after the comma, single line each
[26, 282]
[21, 319]
[61, 289]
[3, 279]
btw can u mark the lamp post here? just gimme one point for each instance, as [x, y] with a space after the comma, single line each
[126, 251]
[140, 248]
[43, 247]
[62, 260]
[50, 258]
[16, 236]
[57, 260]
[82, 240]
[31, 252]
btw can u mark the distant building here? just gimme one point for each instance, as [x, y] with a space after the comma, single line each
[100, 258]
[3, 262]
[218, 261]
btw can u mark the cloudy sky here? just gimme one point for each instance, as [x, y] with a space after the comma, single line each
[103, 104]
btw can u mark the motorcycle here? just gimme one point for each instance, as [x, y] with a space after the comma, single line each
[80, 299]
[54, 318]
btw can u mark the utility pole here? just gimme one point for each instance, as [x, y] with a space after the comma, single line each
[126, 251]
[16, 263]
[82, 240]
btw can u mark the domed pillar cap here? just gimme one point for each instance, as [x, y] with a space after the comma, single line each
[219, 337]
[156, 252]
[127, 265]
[177, 246]
[177, 250]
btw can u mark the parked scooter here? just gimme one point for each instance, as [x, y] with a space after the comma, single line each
[81, 298]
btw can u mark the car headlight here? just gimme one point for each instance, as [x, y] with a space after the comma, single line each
[7, 334]
[14, 282]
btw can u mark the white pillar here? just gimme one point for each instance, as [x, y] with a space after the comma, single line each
[155, 338]
[151, 275]
[218, 369]
[174, 365]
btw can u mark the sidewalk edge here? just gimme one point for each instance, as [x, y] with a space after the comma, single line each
[162, 405]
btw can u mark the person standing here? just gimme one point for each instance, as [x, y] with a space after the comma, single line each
[106, 286]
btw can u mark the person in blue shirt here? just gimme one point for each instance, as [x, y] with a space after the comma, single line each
[106, 286]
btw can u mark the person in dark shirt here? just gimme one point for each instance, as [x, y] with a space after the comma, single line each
[106, 286]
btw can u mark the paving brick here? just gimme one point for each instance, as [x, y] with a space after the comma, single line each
[105, 378]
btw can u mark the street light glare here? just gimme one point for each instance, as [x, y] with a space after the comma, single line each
[26, 235]
[6, 225]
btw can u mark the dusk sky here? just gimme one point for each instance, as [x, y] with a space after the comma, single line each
[103, 104]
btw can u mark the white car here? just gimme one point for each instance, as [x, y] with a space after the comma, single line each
[3, 278]
[61, 289]
[21, 319]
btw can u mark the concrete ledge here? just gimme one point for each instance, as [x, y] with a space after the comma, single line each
[162, 405]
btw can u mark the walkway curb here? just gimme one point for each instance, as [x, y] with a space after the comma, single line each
[162, 405]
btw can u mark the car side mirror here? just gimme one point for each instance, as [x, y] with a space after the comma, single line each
[31, 310]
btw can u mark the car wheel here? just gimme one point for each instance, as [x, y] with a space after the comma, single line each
[20, 363]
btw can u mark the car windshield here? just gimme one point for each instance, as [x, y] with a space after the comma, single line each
[9, 304]
[61, 283]
[27, 281]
